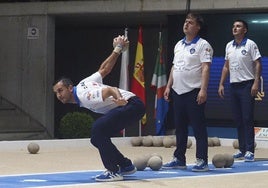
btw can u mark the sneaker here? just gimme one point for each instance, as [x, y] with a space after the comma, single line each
[174, 164]
[127, 170]
[249, 156]
[108, 176]
[238, 155]
[201, 166]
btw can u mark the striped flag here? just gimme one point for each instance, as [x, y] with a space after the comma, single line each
[124, 74]
[138, 85]
[158, 84]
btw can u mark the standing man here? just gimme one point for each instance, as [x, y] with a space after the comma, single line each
[188, 79]
[243, 62]
[120, 109]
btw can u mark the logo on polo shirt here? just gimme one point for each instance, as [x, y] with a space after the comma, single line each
[234, 66]
[244, 52]
[82, 84]
[208, 54]
[180, 66]
[192, 51]
[93, 95]
[88, 96]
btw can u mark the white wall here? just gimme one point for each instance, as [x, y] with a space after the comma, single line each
[27, 65]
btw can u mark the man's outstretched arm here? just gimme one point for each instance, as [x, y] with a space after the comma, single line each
[107, 65]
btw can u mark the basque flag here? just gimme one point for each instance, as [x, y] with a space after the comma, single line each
[159, 82]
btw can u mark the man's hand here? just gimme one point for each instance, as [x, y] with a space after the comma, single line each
[166, 94]
[120, 101]
[255, 89]
[201, 97]
[115, 93]
[120, 44]
[221, 91]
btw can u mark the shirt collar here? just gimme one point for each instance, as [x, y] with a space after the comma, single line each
[194, 41]
[243, 43]
[75, 96]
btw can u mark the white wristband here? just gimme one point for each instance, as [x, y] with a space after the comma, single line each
[118, 49]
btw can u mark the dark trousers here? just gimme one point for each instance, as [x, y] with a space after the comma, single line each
[188, 112]
[242, 103]
[110, 124]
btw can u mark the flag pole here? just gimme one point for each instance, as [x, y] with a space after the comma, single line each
[140, 128]
[125, 85]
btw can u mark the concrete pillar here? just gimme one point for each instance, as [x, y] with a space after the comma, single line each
[27, 65]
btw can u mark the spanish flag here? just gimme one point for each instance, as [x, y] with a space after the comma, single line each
[137, 84]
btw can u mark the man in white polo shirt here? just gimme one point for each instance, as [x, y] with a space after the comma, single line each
[243, 63]
[187, 84]
[120, 109]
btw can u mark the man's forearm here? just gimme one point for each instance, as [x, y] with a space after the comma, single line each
[224, 73]
[205, 76]
[111, 91]
[170, 79]
[108, 64]
[258, 70]
[120, 44]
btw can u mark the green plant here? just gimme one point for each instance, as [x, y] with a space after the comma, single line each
[76, 125]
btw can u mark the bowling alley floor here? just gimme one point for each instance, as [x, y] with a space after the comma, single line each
[78, 155]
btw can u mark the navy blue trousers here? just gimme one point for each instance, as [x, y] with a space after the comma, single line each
[110, 124]
[188, 112]
[242, 103]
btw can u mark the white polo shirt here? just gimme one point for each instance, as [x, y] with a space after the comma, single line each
[187, 64]
[88, 94]
[241, 60]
